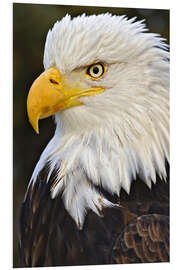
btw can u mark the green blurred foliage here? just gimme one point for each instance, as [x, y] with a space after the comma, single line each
[31, 23]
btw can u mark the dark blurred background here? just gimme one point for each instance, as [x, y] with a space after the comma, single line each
[31, 23]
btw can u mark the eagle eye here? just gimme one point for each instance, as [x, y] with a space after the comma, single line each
[95, 71]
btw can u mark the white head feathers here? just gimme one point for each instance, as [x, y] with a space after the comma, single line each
[118, 133]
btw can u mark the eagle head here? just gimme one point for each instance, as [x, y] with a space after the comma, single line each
[106, 80]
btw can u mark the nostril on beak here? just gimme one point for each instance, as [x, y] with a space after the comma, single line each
[53, 81]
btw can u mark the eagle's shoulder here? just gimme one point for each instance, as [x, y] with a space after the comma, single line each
[49, 236]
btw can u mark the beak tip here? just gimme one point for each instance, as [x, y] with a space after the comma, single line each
[37, 131]
[35, 126]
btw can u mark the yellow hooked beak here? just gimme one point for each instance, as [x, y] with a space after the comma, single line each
[49, 94]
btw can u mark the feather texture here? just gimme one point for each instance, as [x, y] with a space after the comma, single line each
[146, 239]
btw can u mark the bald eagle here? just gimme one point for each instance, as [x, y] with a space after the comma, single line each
[99, 192]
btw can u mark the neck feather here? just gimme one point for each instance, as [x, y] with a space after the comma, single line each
[108, 156]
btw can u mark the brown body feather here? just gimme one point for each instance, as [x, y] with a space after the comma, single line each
[146, 239]
[135, 231]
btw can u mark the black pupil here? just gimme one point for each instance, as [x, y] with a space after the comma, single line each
[95, 70]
